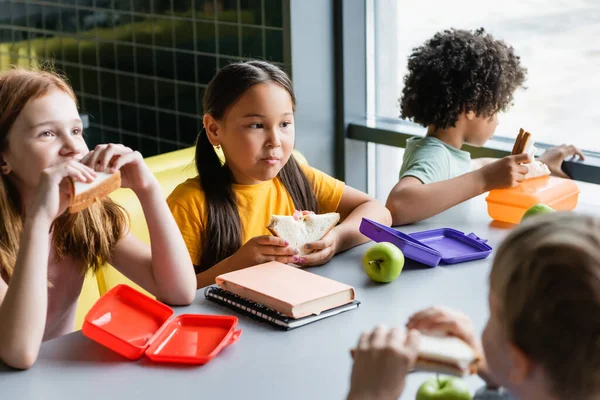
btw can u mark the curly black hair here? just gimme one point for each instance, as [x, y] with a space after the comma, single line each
[456, 71]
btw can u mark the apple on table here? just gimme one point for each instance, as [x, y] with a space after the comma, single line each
[383, 262]
[444, 388]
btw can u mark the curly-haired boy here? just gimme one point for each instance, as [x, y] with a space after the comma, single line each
[457, 83]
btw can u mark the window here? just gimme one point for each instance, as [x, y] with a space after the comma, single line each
[557, 43]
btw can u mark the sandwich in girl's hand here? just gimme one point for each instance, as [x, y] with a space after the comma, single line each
[84, 194]
[446, 355]
[302, 227]
[524, 144]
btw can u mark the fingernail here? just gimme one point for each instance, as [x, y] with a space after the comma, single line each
[295, 258]
[303, 260]
[287, 243]
[296, 251]
[307, 246]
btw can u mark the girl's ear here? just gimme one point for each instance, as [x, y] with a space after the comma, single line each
[470, 115]
[212, 128]
[4, 167]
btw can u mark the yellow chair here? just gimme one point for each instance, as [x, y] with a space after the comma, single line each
[170, 169]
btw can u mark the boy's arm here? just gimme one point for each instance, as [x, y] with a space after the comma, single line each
[481, 162]
[412, 201]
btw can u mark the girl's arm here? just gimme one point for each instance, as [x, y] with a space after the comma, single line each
[165, 269]
[353, 207]
[24, 303]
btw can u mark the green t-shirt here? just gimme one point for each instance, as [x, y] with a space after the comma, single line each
[430, 160]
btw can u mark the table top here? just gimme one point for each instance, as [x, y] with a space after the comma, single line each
[309, 362]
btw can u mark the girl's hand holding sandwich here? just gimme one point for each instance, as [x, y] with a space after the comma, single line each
[110, 158]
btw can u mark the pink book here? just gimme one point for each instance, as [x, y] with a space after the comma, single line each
[291, 291]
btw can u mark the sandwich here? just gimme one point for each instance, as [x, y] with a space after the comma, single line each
[525, 145]
[301, 229]
[446, 355]
[84, 195]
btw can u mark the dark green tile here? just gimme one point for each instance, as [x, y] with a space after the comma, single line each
[87, 51]
[127, 88]
[109, 136]
[274, 41]
[74, 76]
[188, 130]
[148, 122]
[90, 81]
[229, 40]
[165, 147]
[106, 52]
[124, 5]
[252, 42]
[146, 93]
[187, 99]
[144, 6]
[123, 30]
[148, 147]
[167, 126]
[274, 13]
[110, 114]
[205, 37]
[207, 67]
[125, 58]
[144, 30]
[131, 141]
[165, 67]
[92, 136]
[184, 34]
[228, 11]
[163, 32]
[251, 12]
[204, 9]
[108, 82]
[92, 108]
[185, 67]
[166, 95]
[129, 118]
[144, 60]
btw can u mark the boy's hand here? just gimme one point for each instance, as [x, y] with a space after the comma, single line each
[507, 172]
[555, 156]
[381, 361]
[452, 323]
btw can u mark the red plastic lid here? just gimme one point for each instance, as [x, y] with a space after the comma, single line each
[131, 324]
[193, 339]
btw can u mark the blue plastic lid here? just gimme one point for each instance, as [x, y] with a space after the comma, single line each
[431, 247]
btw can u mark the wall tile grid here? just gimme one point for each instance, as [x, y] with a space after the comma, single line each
[140, 67]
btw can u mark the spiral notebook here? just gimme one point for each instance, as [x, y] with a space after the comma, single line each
[265, 314]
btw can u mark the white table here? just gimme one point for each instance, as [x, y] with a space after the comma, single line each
[311, 362]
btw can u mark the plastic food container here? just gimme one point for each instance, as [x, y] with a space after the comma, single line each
[133, 324]
[509, 205]
[445, 245]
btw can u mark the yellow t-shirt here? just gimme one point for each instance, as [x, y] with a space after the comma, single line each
[256, 204]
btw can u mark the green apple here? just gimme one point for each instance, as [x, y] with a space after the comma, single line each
[444, 388]
[537, 209]
[383, 262]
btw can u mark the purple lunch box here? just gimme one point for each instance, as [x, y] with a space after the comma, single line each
[444, 245]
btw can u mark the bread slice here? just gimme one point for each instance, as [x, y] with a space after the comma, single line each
[524, 143]
[447, 355]
[308, 228]
[84, 195]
